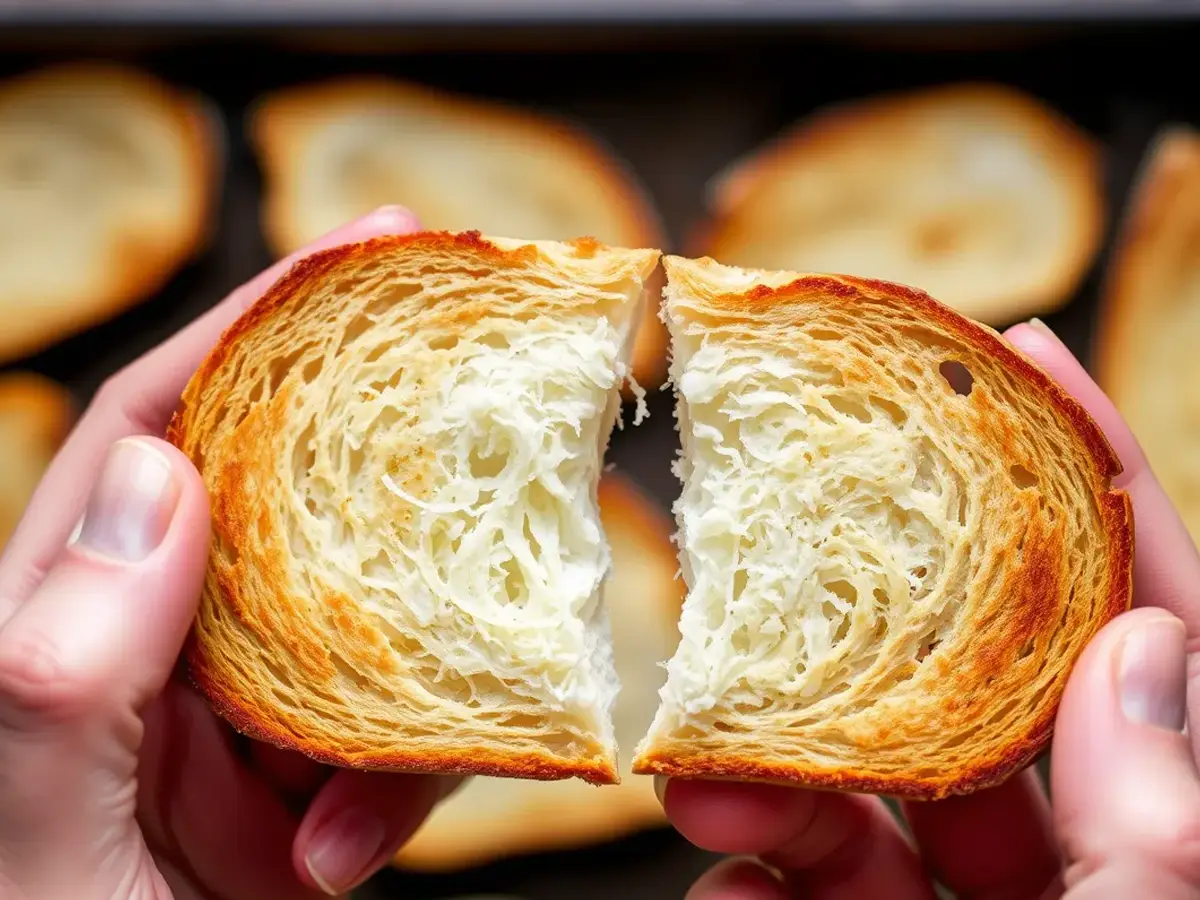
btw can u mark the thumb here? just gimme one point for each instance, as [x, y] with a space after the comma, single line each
[1125, 788]
[79, 658]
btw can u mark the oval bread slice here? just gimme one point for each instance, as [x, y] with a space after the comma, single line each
[492, 818]
[402, 441]
[983, 196]
[106, 182]
[36, 415]
[897, 532]
[1150, 322]
[336, 150]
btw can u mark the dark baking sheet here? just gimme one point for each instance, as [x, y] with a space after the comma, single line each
[679, 106]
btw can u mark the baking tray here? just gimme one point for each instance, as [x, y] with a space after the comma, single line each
[679, 106]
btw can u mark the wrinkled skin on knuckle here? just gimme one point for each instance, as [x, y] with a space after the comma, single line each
[36, 685]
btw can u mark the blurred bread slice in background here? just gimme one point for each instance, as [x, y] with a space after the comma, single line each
[492, 818]
[333, 151]
[35, 416]
[106, 182]
[1148, 359]
[981, 195]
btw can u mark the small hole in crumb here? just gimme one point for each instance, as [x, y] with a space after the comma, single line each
[957, 376]
[1022, 477]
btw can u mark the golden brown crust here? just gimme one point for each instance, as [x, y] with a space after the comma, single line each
[249, 611]
[742, 214]
[36, 415]
[488, 819]
[282, 123]
[138, 265]
[1030, 613]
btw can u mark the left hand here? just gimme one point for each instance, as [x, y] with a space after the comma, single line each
[116, 780]
[1125, 822]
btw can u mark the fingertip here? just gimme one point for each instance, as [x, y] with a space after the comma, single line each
[738, 879]
[737, 818]
[392, 219]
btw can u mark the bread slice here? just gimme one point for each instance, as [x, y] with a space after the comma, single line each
[106, 182]
[35, 416]
[336, 150]
[897, 533]
[1150, 322]
[492, 818]
[983, 196]
[402, 442]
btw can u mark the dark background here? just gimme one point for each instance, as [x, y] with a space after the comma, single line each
[678, 103]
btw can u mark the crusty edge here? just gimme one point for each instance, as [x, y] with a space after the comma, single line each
[276, 125]
[1115, 505]
[137, 277]
[1173, 159]
[232, 707]
[1075, 150]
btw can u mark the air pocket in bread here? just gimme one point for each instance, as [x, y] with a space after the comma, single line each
[897, 533]
[402, 441]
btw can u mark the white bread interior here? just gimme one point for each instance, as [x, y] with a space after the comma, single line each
[492, 818]
[896, 532]
[106, 179]
[35, 416]
[1150, 323]
[981, 195]
[402, 440]
[335, 150]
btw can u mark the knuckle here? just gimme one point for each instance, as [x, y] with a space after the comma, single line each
[35, 684]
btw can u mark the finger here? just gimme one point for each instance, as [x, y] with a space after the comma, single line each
[1166, 564]
[1125, 787]
[830, 846]
[140, 399]
[994, 844]
[288, 772]
[99, 637]
[357, 823]
[738, 879]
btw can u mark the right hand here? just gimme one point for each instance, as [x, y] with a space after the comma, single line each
[1125, 821]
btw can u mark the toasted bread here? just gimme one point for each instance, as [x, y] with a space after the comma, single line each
[35, 416]
[106, 182]
[336, 150]
[402, 441]
[981, 195]
[491, 818]
[897, 532]
[1150, 321]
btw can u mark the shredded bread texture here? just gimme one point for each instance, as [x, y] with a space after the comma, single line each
[896, 532]
[402, 441]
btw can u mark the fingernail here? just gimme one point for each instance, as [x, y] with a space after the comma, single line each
[1153, 674]
[396, 219]
[660, 788]
[1040, 326]
[132, 502]
[342, 849]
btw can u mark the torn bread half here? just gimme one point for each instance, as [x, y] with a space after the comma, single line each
[335, 150]
[897, 533]
[36, 415]
[494, 818]
[982, 195]
[106, 181]
[1147, 356]
[402, 441]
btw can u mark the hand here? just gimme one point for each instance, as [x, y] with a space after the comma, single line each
[116, 781]
[1126, 816]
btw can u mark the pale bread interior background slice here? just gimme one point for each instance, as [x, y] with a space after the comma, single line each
[491, 818]
[1148, 345]
[979, 195]
[336, 150]
[35, 416]
[107, 176]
